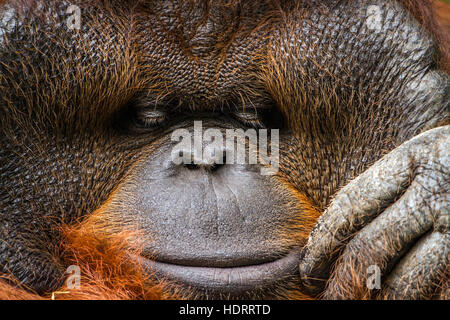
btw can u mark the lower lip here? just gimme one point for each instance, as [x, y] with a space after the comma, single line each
[231, 281]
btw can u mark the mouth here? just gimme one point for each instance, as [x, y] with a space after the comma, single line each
[232, 281]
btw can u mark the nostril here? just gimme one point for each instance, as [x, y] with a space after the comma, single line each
[208, 161]
[214, 167]
[210, 167]
[217, 163]
[192, 166]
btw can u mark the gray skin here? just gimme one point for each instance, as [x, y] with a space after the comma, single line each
[360, 91]
[399, 207]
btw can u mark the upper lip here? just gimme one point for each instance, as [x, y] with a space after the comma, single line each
[231, 280]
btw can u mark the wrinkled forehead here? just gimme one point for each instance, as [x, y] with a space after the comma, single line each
[216, 50]
[199, 49]
[220, 48]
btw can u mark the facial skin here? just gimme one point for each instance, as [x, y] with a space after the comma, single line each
[356, 90]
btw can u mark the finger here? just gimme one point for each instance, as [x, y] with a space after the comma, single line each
[362, 200]
[354, 206]
[379, 244]
[422, 271]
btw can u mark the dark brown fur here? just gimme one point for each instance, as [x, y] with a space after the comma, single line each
[108, 271]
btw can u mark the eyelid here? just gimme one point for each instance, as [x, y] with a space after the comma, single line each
[150, 117]
[250, 118]
[151, 113]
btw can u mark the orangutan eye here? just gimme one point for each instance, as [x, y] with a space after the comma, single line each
[150, 118]
[250, 119]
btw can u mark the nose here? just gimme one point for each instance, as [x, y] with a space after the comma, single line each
[210, 159]
[207, 166]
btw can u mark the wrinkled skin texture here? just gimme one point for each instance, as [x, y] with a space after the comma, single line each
[364, 138]
[399, 206]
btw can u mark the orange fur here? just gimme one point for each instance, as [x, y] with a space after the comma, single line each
[10, 292]
[106, 267]
[107, 271]
[104, 259]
